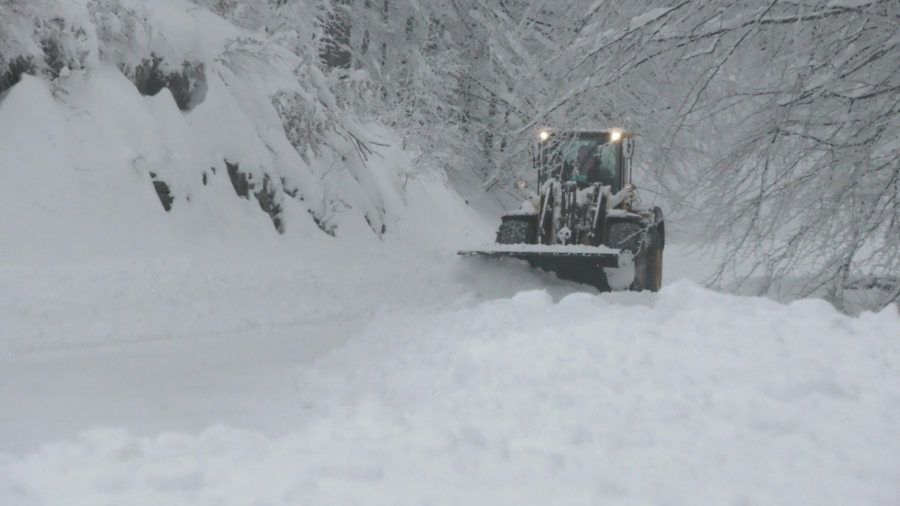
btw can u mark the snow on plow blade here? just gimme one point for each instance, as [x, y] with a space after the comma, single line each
[582, 264]
[608, 257]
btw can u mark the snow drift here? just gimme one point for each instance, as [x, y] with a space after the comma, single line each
[701, 399]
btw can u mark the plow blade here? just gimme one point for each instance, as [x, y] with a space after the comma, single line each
[582, 264]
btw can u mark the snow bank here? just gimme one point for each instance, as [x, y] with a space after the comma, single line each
[703, 399]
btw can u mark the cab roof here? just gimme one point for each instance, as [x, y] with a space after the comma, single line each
[625, 134]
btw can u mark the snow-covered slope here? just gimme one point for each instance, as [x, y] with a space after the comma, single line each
[89, 163]
[696, 398]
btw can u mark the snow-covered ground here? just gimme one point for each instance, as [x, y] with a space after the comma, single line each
[399, 377]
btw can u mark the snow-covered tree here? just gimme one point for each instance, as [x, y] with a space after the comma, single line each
[802, 98]
[49, 37]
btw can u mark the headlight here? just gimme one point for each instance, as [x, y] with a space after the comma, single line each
[521, 185]
[544, 135]
[615, 135]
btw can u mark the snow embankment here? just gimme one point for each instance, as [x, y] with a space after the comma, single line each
[97, 168]
[702, 399]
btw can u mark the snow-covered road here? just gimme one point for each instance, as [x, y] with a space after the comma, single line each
[187, 345]
[434, 380]
[242, 379]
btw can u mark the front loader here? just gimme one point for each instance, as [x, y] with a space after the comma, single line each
[585, 223]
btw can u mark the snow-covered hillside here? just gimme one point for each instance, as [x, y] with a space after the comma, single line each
[96, 168]
[691, 398]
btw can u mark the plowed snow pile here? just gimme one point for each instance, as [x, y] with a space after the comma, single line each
[702, 399]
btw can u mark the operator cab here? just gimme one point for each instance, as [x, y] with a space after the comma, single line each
[585, 157]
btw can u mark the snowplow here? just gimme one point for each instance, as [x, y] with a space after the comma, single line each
[585, 222]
